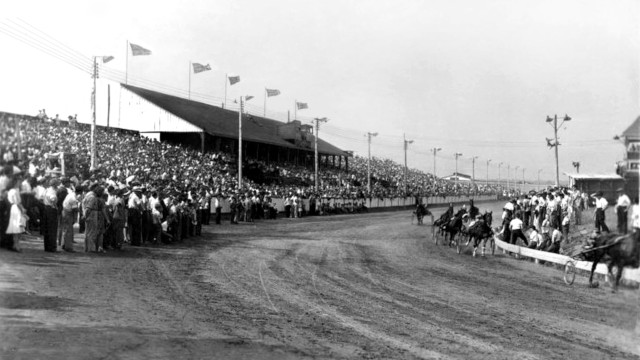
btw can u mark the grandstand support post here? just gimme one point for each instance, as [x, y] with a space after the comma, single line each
[435, 151]
[189, 96]
[126, 70]
[369, 135]
[224, 103]
[108, 104]
[93, 109]
[239, 145]
[317, 120]
[202, 136]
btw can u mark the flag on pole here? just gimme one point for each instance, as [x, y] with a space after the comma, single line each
[198, 68]
[248, 97]
[139, 50]
[272, 92]
[233, 79]
[106, 59]
[301, 106]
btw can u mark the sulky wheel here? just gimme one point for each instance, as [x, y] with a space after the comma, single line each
[569, 272]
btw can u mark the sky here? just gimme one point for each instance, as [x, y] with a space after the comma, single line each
[472, 77]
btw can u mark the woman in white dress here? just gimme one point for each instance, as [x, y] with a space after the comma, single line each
[17, 215]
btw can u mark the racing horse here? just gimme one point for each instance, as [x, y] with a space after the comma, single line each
[420, 212]
[481, 231]
[440, 224]
[452, 228]
[616, 250]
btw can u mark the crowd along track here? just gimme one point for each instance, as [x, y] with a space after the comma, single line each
[351, 286]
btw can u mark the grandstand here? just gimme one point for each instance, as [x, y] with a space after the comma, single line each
[213, 128]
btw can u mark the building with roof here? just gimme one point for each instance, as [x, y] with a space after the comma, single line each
[629, 168]
[591, 183]
[213, 128]
[457, 176]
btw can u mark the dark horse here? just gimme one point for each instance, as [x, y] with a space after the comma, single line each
[441, 223]
[420, 212]
[615, 249]
[453, 227]
[481, 231]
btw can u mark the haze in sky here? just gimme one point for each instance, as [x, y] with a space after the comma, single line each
[473, 77]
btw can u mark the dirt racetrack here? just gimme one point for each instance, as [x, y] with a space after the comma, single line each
[350, 286]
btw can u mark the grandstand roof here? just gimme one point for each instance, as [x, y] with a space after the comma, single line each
[586, 176]
[224, 122]
[633, 131]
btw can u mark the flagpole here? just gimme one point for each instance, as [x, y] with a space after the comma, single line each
[295, 109]
[189, 80]
[126, 71]
[226, 78]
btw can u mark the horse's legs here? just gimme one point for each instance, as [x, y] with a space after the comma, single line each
[593, 268]
[618, 276]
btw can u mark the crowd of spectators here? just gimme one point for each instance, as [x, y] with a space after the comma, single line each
[134, 171]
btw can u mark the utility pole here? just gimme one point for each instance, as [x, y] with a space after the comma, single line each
[434, 151]
[317, 120]
[499, 180]
[369, 135]
[457, 155]
[515, 177]
[554, 123]
[240, 145]
[539, 183]
[508, 175]
[488, 161]
[522, 187]
[93, 109]
[473, 170]
[105, 59]
[406, 145]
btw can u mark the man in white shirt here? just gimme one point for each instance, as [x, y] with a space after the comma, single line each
[635, 215]
[516, 230]
[622, 207]
[601, 206]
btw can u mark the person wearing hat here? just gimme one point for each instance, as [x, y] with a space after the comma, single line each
[622, 206]
[134, 207]
[118, 218]
[601, 205]
[50, 217]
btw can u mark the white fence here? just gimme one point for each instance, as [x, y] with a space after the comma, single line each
[630, 275]
[377, 203]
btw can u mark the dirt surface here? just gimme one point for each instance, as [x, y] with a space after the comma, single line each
[351, 286]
